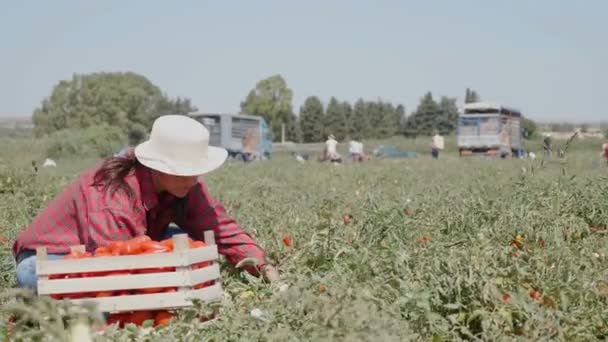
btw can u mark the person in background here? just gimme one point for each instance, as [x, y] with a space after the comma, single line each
[141, 193]
[437, 145]
[331, 150]
[547, 146]
[605, 152]
[355, 149]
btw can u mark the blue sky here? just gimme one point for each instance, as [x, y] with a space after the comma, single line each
[547, 57]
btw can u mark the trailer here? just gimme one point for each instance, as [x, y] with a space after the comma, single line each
[490, 130]
[244, 136]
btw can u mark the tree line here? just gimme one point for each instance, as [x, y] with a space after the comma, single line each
[131, 102]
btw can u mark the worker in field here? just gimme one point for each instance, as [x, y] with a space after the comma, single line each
[355, 148]
[547, 145]
[141, 193]
[331, 150]
[605, 152]
[437, 145]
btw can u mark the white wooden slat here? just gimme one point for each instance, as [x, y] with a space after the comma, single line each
[180, 244]
[127, 262]
[41, 256]
[155, 301]
[205, 274]
[129, 282]
[209, 237]
[203, 254]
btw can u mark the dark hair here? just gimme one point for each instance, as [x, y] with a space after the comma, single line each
[111, 174]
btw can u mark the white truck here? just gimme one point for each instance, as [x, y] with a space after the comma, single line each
[489, 129]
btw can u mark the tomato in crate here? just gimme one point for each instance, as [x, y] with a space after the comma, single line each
[169, 290]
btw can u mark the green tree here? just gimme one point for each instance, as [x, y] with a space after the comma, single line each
[373, 111]
[401, 117]
[347, 109]
[529, 127]
[335, 120]
[448, 115]
[311, 120]
[126, 100]
[388, 124]
[272, 100]
[471, 96]
[360, 121]
[293, 129]
[425, 119]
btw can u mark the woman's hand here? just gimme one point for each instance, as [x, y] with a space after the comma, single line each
[270, 273]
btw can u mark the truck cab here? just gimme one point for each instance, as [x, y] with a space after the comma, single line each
[243, 136]
[490, 130]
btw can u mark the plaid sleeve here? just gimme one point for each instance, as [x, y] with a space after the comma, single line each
[56, 227]
[204, 213]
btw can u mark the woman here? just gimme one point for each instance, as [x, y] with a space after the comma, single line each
[605, 152]
[142, 192]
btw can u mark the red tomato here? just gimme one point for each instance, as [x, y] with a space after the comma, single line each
[116, 247]
[103, 254]
[168, 243]
[201, 265]
[75, 295]
[131, 248]
[197, 244]
[103, 250]
[140, 239]
[118, 318]
[287, 240]
[154, 247]
[162, 318]
[139, 317]
[150, 290]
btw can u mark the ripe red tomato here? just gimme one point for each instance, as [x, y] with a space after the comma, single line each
[162, 318]
[168, 243]
[197, 244]
[154, 247]
[118, 318]
[140, 239]
[139, 317]
[287, 240]
[116, 247]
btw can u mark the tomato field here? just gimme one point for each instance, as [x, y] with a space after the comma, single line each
[385, 250]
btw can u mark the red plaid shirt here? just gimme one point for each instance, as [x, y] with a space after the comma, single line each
[87, 215]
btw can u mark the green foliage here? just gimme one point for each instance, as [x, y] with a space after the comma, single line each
[100, 141]
[125, 100]
[471, 96]
[431, 117]
[530, 127]
[272, 100]
[385, 121]
[448, 115]
[401, 117]
[428, 254]
[334, 121]
[347, 110]
[360, 122]
[312, 120]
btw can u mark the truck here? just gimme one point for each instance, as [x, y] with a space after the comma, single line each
[489, 129]
[245, 137]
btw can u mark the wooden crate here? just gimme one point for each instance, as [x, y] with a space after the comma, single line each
[184, 277]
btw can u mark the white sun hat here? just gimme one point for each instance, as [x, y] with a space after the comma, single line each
[179, 146]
